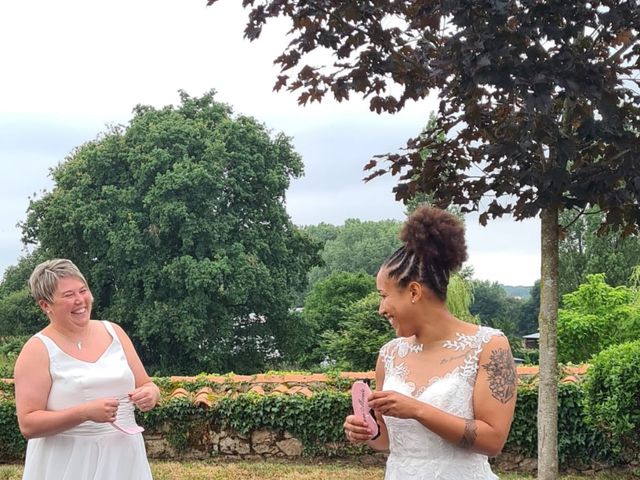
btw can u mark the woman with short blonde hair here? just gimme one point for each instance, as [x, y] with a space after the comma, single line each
[77, 383]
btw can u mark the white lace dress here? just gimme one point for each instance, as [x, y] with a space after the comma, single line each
[416, 453]
[89, 451]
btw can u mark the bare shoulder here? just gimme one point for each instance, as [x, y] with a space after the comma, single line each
[498, 368]
[498, 340]
[33, 347]
[34, 353]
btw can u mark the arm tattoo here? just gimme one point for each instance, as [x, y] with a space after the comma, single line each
[502, 375]
[469, 435]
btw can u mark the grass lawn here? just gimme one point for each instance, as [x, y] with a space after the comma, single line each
[272, 469]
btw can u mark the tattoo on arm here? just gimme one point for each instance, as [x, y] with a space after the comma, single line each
[470, 434]
[501, 371]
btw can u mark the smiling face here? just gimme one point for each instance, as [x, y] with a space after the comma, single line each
[71, 303]
[395, 304]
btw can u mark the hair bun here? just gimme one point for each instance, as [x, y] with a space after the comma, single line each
[436, 236]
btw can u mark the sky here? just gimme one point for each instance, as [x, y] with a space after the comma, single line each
[71, 68]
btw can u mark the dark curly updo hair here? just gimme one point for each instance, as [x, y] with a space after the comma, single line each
[434, 247]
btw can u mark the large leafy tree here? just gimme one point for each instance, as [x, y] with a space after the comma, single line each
[354, 246]
[584, 252]
[495, 308]
[356, 344]
[596, 316]
[530, 311]
[326, 309]
[19, 313]
[178, 221]
[539, 101]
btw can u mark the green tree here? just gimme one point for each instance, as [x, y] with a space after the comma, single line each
[584, 252]
[16, 276]
[529, 312]
[19, 313]
[178, 222]
[460, 297]
[595, 317]
[354, 246]
[364, 331]
[495, 308]
[539, 101]
[326, 307]
[611, 396]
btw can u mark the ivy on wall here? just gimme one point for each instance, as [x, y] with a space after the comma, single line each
[317, 421]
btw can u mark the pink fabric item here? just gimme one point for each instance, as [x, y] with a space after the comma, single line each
[128, 430]
[360, 392]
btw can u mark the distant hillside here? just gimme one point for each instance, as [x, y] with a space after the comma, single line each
[519, 291]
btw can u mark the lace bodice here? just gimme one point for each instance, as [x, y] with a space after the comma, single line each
[444, 378]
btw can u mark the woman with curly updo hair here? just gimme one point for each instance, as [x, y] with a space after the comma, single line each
[445, 389]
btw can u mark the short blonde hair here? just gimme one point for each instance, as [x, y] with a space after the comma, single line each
[44, 278]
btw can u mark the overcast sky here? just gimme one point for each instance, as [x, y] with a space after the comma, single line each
[71, 67]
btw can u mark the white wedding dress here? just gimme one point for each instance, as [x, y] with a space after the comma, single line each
[89, 451]
[416, 453]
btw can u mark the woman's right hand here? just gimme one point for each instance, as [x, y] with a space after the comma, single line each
[356, 429]
[102, 410]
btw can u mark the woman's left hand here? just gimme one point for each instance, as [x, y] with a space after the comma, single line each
[393, 404]
[145, 397]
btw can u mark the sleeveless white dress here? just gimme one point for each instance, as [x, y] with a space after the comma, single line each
[89, 451]
[416, 452]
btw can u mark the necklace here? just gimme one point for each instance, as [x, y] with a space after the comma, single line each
[77, 343]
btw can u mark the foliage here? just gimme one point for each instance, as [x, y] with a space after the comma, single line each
[9, 349]
[495, 308]
[460, 296]
[312, 420]
[583, 252]
[579, 443]
[12, 443]
[611, 393]
[530, 310]
[353, 247]
[16, 277]
[19, 313]
[178, 222]
[355, 345]
[518, 291]
[539, 101]
[594, 317]
[326, 308]
[317, 421]
[512, 77]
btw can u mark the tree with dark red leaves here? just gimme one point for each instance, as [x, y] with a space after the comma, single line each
[539, 101]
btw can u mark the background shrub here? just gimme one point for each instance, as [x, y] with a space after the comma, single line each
[612, 394]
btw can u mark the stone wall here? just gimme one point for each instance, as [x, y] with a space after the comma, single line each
[208, 443]
[264, 444]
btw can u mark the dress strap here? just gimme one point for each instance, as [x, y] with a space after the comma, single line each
[112, 331]
[49, 344]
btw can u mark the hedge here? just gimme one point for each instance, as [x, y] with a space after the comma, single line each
[317, 421]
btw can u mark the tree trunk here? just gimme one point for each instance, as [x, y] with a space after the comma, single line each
[548, 377]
